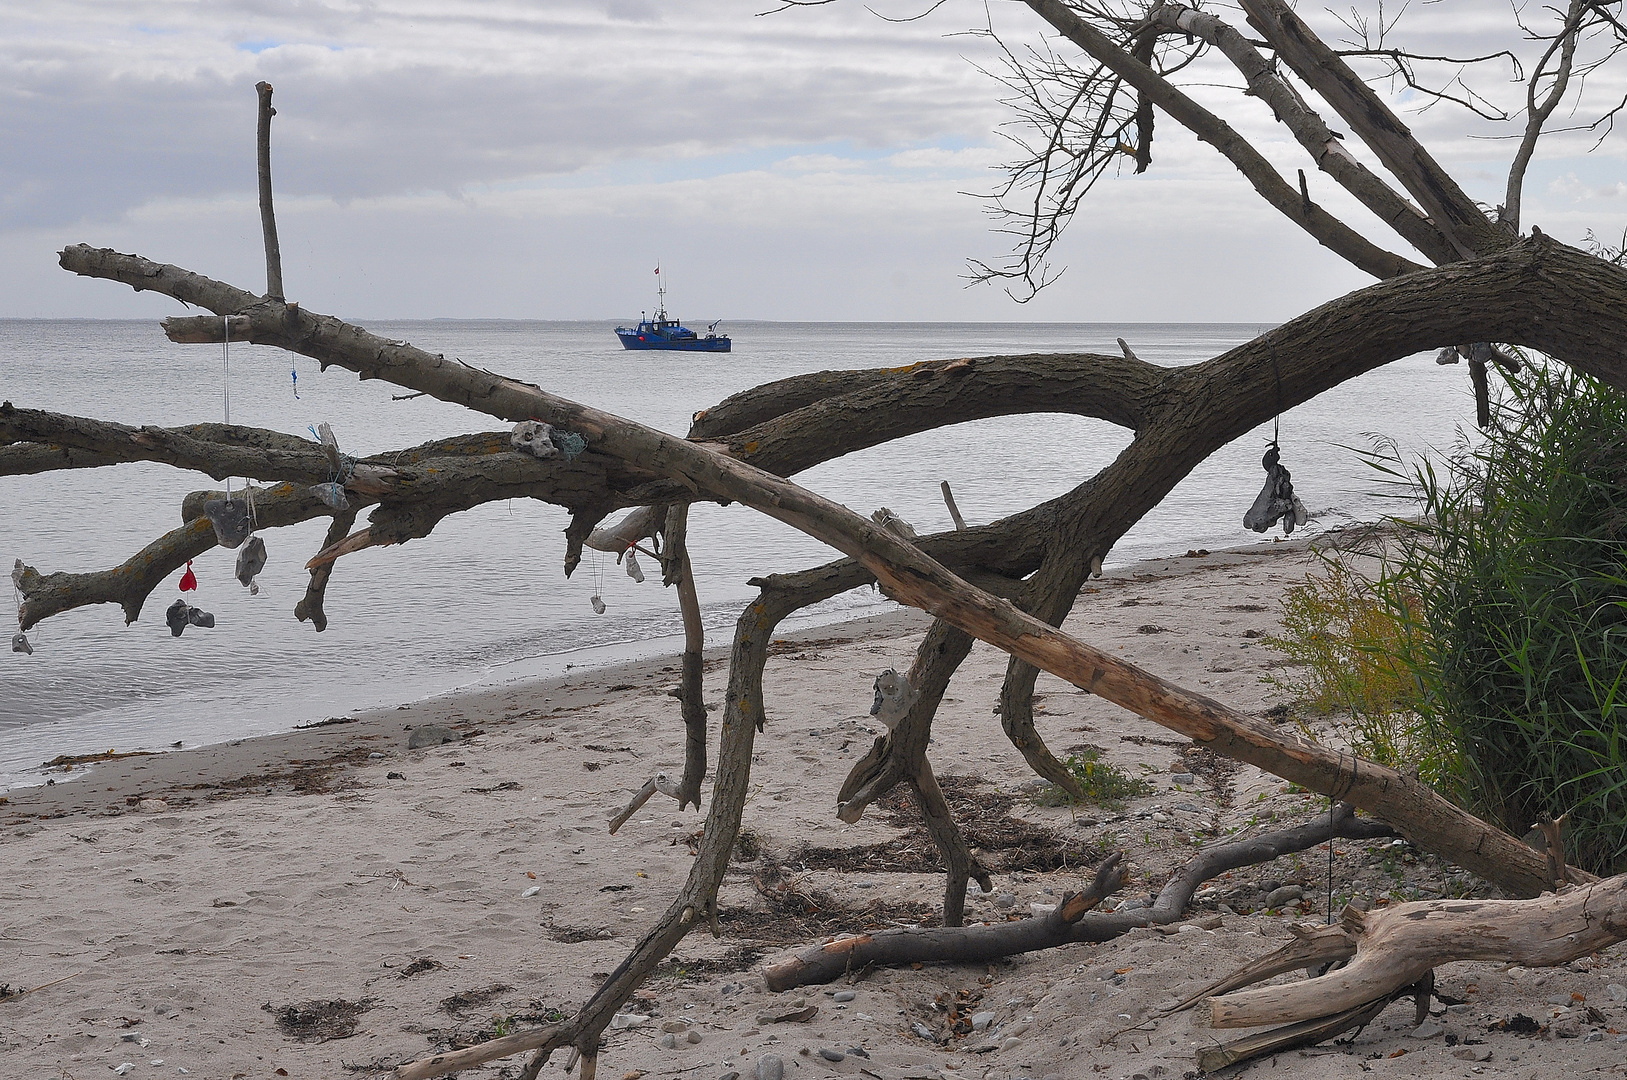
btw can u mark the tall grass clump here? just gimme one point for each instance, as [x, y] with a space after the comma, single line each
[1509, 597]
[1346, 644]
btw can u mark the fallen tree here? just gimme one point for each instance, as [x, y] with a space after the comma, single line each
[1009, 583]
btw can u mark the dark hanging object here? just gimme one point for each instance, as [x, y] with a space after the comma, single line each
[230, 517]
[1276, 501]
[19, 643]
[189, 580]
[176, 617]
[250, 561]
[180, 615]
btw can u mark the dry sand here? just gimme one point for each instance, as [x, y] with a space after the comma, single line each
[198, 903]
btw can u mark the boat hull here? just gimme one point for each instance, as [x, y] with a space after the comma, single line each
[633, 339]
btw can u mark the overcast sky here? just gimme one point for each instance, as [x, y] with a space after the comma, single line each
[454, 158]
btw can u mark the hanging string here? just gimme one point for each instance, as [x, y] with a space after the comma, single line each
[1276, 423]
[1330, 861]
[226, 380]
[294, 371]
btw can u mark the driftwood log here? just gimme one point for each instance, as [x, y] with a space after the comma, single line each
[1068, 921]
[1394, 952]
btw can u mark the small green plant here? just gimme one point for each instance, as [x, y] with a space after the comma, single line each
[1103, 783]
[501, 1026]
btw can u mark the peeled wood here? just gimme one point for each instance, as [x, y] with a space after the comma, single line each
[1396, 947]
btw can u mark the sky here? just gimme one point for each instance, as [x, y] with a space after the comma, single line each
[498, 159]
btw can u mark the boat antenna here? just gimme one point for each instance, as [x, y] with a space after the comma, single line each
[660, 292]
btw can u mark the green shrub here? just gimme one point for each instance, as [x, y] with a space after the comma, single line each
[1510, 596]
[1345, 642]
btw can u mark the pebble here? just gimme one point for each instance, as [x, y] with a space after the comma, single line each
[1187, 808]
[1616, 992]
[1278, 897]
[1472, 1053]
[532, 891]
[669, 1041]
[922, 1031]
[1427, 1030]
[375, 755]
[830, 1054]
[730, 1075]
[1011, 1043]
[693, 1036]
[123, 1068]
[982, 1020]
[1006, 900]
[771, 1067]
[857, 1051]
[1185, 779]
[1162, 819]
[1594, 1036]
[677, 1027]
[844, 995]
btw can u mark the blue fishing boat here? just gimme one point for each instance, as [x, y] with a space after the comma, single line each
[663, 332]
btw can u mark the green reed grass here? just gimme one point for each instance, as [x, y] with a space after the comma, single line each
[1509, 603]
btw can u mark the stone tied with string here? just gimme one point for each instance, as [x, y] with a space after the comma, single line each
[230, 517]
[19, 643]
[894, 696]
[332, 495]
[250, 561]
[182, 614]
[1276, 501]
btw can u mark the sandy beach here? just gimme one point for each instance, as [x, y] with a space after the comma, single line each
[330, 903]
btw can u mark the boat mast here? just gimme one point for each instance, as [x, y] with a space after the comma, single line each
[660, 294]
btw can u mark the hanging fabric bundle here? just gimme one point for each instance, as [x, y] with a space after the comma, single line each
[1276, 501]
[634, 571]
[181, 615]
[189, 580]
[250, 561]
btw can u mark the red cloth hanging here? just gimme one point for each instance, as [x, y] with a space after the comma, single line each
[189, 580]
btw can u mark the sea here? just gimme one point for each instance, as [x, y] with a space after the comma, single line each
[483, 601]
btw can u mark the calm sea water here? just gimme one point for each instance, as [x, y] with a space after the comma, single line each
[484, 598]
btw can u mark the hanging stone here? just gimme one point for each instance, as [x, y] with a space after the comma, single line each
[598, 603]
[535, 438]
[332, 496]
[634, 571]
[19, 643]
[176, 617]
[250, 561]
[894, 696]
[230, 517]
[180, 615]
[1276, 501]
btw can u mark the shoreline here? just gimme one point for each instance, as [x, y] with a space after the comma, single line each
[610, 659]
[329, 901]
